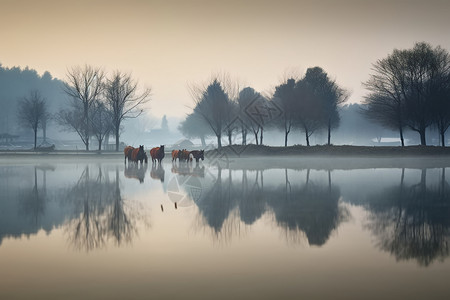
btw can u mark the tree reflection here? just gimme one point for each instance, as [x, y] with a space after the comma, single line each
[311, 210]
[100, 212]
[251, 200]
[217, 207]
[33, 200]
[216, 203]
[120, 226]
[413, 222]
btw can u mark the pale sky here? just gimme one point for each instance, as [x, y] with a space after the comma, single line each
[170, 44]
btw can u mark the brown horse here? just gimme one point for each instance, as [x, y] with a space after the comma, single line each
[157, 154]
[184, 155]
[175, 155]
[127, 151]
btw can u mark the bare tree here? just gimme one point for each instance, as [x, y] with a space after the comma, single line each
[441, 110]
[124, 100]
[73, 120]
[101, 122]
[84, 85]
[32, 111]
[403, 86]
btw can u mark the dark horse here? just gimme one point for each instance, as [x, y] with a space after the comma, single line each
[157, 154]
[198, 154]
[135, 155]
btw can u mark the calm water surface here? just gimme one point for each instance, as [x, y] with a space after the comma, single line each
[100, 230]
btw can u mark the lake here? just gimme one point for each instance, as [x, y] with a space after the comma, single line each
[240, 229]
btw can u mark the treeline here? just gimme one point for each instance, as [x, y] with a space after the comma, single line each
[308, 104]
[17, 83]
[408, 90]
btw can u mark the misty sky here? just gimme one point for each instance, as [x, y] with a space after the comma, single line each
[170, 44]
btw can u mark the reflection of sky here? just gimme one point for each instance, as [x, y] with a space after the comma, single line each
[176, 248]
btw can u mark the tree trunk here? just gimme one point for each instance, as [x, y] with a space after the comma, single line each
[401, 136]
[443, 139]
[44, 131]
[256, 137]
[117, 138]
[261, 136]
[86, 131]
[99, 145]
[219, 141]
[244, 136]
[307, 137]
[423, 141]
[106, 142]
[230, 133]
[35, 137]
[329, 132]
[286, 133]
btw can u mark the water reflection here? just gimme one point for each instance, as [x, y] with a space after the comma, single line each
[99, 211]
[157, 172]
[136, 171]
[33, 199]
[310, 208]
[306, 210]
[90, 208]
[25, 201]
[185, 169]
[413, 221]
[91, 204]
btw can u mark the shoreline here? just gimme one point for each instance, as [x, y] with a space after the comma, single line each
[330, 151]
[265, 157]
[251, 150]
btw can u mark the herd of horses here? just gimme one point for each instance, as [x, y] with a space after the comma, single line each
[157, 154]
[187, 156]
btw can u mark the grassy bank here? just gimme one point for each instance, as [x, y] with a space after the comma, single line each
[340, 150]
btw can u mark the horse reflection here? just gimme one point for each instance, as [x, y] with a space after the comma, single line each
[157, 172]
[188, 170]
[136, 171]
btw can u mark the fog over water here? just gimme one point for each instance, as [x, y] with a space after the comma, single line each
[238, 228]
